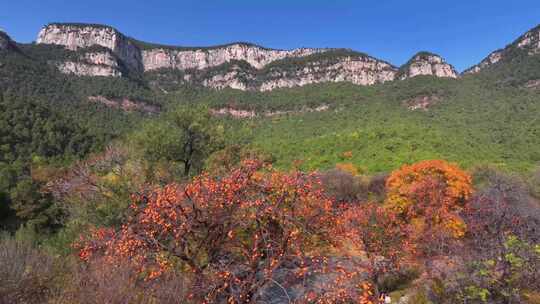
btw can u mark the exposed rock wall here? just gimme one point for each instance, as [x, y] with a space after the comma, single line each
[260, 69]
[256, 56]
[92, 64]
[361, 70]
[75, 37]
[236, 78]
[425, 63]
[530, 41]
[486, 62]
[86, 69]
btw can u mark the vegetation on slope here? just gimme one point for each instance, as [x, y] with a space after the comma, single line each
[190, 207]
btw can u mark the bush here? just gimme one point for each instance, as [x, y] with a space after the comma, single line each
[505, 277]
[502, 207]
[343, 186]
[26, 274]
[377, 186]
[99, 282]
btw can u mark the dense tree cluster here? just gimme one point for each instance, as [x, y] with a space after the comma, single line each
[30, 136]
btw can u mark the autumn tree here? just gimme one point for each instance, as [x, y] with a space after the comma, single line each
[428, 198]
[232, 233]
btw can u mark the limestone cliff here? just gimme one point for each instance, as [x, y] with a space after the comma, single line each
[330, 66]
[528, 43]
[241, 66]
[80, 36]
[204, 58]
[333, 66]
[93, 63]
[425, 63]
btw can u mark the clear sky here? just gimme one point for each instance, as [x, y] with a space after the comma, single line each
[462, 31]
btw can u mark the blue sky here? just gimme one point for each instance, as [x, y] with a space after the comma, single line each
[463, 32]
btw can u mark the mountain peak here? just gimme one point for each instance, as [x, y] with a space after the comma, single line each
[426, 63]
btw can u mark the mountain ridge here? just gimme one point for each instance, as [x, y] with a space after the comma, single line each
[265, 69]
[529, 42]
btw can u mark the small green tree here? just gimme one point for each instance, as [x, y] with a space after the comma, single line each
[34, 207]
[186, 135]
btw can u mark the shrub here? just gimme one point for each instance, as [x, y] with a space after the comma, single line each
[100, 282]
[377, 186]
[503, 207]
[343, 186]
[26, 274]
[505, 277]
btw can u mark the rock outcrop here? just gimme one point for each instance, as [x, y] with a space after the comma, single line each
[421, 102]
[203, 58]
[141, 56]
[242, 66]
[425, 63]
[528, 43]
[356, 68]
[85, 69]
[80, 36]
[330, 66]
[126, 104]
[92, 64]
[490, 60]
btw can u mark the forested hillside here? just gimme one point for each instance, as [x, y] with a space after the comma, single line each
[425, 189]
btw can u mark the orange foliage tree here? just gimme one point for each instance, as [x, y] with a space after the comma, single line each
[232, 233]
[427, 198]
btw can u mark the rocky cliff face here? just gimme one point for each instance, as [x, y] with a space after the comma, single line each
[241, 66]
[425, 63]
[236, 77]
[486, 62]
[331, 66]
[256, 56]
[528, 43]
[78, 36]
[358, 69]
[92, 64]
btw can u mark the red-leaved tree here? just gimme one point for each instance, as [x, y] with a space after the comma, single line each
[231, 233]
